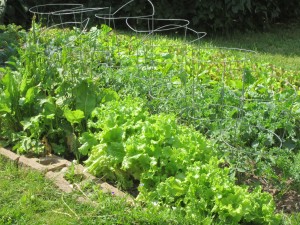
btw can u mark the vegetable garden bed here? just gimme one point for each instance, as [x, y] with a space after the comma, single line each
[185, 125]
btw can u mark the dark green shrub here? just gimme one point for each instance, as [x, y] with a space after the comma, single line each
[210, 15]
[289, 9]
[218, 15]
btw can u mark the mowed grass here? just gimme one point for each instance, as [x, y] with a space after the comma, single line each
[26, 197]
[280, 45]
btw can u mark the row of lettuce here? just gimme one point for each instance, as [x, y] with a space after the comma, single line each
[79, 94]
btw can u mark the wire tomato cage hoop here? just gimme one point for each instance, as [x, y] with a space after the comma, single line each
[216, 89]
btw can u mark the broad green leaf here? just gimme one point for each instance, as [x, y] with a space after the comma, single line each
[87, 140]
[31, 122]
[5, 105]
[109, 95]
[116, 150]
[4, 108]
[105, 29]
[11, 86]
[86, 97]
[248, 78]
[26, 124]
[113, 135]
[31, 94]
[236, 84]
[49, 107]
[23, 84]
[74, 116]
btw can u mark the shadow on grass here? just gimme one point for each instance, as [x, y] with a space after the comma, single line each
[280, 45]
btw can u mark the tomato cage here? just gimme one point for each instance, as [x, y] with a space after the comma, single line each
[64, 15]
[131, 61]
[113, 22]
[238, 104]
[218, 90]
[114, 16]
[72, 20]
[160, 58]
[44, 13]
[204, 86]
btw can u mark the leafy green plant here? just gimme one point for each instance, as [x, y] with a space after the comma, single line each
[11, 37]
[206, 191]
[295, 168]
[173, 164]
[72, 176]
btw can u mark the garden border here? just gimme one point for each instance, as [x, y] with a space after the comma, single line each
[54, 169]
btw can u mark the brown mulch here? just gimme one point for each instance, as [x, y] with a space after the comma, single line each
[289, 202]
[287, 198]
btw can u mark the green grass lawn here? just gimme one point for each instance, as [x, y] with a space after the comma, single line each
[26, 197]
[280, 45]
